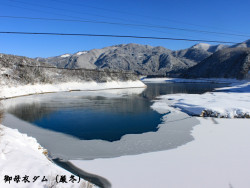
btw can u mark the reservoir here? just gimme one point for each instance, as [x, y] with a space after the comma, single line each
[97, 124]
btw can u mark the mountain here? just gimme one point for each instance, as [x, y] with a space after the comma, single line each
[245, 44]
[198, 52]
[19, 70]
[143, 59]
[149, 60]
[225, 63]
[208, 47]
[58, 61]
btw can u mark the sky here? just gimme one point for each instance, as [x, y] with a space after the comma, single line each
[131, 17]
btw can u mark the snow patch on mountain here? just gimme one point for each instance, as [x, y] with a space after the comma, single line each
[80, 53]
[202, 46]
[65, 55]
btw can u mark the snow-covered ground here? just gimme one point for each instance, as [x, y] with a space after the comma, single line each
[218, 157]
[182, 80]
[22, 156]
[8, 92]
[230, 102]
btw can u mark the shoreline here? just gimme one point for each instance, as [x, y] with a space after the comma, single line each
[26, 90]
[197, 80]
[32, 161]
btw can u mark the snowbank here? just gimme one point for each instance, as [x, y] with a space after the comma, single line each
[218, 157]
[198, 80]
[8, 92]
[231, 102]
[22, 155]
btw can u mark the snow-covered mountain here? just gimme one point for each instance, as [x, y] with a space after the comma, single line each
[19, 70]
[225, 63]
[144, 59]
[65, 55]
[245, 44]
[209, 47]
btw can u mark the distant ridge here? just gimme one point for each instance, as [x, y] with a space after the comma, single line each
[225, 63]
[149, 60]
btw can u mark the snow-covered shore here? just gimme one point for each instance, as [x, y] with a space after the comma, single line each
[183, 80]
[22, 156]
[230, 102]
[218, 157]
[8, 92]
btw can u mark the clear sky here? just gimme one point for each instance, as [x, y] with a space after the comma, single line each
[225, 16]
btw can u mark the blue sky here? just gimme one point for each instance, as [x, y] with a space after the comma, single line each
[215, 16]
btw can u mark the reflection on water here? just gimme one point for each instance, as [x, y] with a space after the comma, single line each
[94, 115]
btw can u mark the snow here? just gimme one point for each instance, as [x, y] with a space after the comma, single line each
[80, 53]
[65, 55]
[8, 92]
[31, 99]
[198, 80]
[22, 155]
[202, 46]
[231, 102]
[218, 157]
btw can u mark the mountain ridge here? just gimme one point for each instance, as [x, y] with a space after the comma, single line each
[143, 59]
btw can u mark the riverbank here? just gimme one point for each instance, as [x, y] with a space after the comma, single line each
[15, 91]
[24, 163]
[229, 102]
[198, 80]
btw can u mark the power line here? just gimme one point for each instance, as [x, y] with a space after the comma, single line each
[116, 36]
[143, 25]
[124, 12]
[86, 21]
[63, 9]
[72, 20]
[117, 23]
